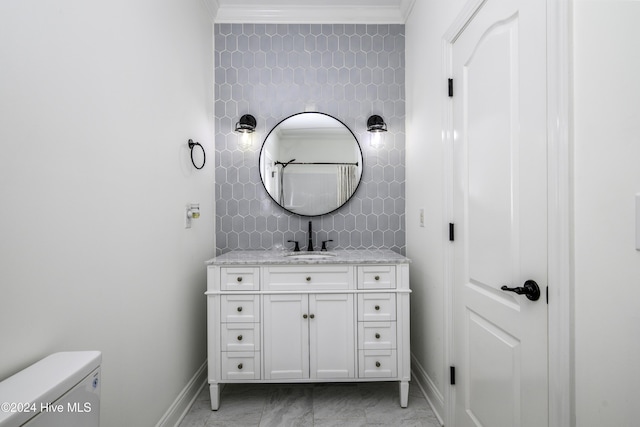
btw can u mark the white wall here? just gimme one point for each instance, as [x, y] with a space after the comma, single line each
[607, 176]
[97, 101]
[606, 129]
[426, 90]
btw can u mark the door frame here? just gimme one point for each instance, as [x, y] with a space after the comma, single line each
[559, 205]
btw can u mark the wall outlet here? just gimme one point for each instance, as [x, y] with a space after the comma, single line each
[192, 211]
[421, 217]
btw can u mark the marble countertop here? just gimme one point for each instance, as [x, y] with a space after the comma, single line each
[355, 256]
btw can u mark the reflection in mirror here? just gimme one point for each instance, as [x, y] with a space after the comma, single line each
[311, 164]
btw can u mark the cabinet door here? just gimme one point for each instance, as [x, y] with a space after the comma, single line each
[332, 336]
[286, 337]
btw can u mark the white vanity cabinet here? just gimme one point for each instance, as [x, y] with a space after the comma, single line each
[271, 319]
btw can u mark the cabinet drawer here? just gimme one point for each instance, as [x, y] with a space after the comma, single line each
[309, 277]
[240, 337]
[241, 365]
[376, 335]
[377, 277]
[239, 279]
[240, 308]
[378, 364]
[377, 307]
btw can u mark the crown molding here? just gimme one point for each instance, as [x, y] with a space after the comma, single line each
[314, 14]
[212, 7]
[406, 7]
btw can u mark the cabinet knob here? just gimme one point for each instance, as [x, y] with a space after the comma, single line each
[239, 308]
[240, 366]
[377, 336]
[377, 278]
[239, 337]
[304, 316]
[239, 279]
[377, 364]
[377, 307]
[308, 278]
[312, 316]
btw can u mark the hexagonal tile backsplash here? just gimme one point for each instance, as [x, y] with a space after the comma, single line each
[272, 71]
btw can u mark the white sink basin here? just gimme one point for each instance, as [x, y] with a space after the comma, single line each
[310, 255]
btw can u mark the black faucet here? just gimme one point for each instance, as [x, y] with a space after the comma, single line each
[296, 247]
[310, 244]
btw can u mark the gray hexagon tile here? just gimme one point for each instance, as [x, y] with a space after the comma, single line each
[275, 70]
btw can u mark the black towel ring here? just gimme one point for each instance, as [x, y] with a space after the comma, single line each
[204, 156]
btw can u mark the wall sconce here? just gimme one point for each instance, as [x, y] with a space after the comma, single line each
[377, 127]
[245, 127]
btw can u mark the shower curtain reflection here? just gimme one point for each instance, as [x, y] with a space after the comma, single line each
[315, 187]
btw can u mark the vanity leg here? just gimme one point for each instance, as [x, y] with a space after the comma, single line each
[214, 392]
[404, 393]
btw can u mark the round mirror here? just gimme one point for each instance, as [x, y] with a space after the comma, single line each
[311, 164]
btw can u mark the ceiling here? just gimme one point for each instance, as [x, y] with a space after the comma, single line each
[311, 11]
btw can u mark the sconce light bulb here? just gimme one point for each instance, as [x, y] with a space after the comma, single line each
[377, 139]
[245, 140]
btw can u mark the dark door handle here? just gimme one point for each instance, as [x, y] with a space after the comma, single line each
[530, 289]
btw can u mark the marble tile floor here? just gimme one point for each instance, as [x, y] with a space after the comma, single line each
[320, 405]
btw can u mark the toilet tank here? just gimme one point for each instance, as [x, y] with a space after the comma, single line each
[61, 390]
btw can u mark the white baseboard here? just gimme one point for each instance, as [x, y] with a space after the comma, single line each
[185, 399]
[428, 388]
[190, 392]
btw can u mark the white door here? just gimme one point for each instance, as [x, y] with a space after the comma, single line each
[286, 337]
[500, 211]
[332, 345]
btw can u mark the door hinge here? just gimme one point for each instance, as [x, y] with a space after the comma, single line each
[451, 232]
[450, 88]
[547, 295]
[452, 375]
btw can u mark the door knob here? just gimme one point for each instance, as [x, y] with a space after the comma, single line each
[530, 289]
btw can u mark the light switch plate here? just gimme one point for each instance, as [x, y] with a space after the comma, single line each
[638, 222]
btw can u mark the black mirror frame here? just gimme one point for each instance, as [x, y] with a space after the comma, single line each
[354, 138]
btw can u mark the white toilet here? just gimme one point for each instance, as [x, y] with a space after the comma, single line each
[61, 390]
